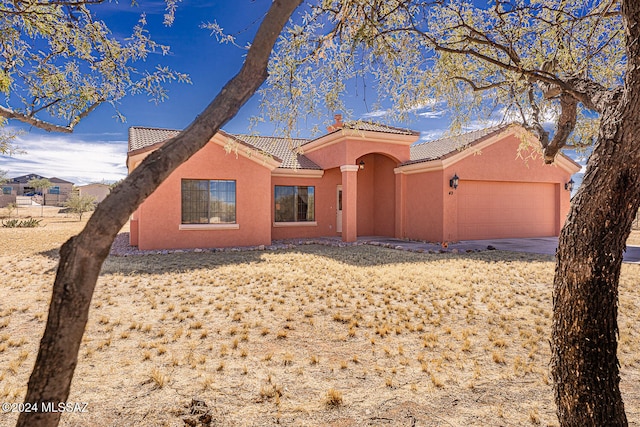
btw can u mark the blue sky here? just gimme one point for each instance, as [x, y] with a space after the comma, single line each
[96, 151]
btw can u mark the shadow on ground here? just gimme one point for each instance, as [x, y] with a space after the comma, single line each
[360, 256]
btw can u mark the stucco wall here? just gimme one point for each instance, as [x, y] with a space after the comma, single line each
[500, 162]
[325, 206]
[432, 207]
[159, 217]
[423, 206]
[98, 191]
[347, 150]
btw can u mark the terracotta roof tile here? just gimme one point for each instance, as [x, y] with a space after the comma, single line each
[141, 137]
[375, 127]
[440, 148]
[282, 148]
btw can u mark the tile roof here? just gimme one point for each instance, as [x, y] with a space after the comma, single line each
[443, 147]
[141, 137]
[282, 148]
[375, 127]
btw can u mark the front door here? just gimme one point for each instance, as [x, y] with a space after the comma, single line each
[339, 209]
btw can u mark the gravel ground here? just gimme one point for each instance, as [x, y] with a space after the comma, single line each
[121, 246]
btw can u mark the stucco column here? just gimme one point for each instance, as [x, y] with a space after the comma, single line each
[349, 202]
[400, 201]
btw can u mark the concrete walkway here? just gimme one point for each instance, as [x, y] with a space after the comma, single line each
[535, 245]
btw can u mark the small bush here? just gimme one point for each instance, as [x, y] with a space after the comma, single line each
[79, 205]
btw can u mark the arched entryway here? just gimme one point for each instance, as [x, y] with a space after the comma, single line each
[376, 195]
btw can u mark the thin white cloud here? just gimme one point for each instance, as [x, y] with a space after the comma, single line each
[432, 134]
[72, 158]
[428, 109]
[375, 114]
[432, 114]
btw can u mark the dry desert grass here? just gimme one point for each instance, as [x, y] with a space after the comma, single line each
[310, 336]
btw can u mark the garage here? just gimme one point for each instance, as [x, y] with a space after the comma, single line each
[494, 209]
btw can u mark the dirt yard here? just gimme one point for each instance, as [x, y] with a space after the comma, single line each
[311, 336]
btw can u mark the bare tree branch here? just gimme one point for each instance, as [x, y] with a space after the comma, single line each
[478, 88]
[33, 121]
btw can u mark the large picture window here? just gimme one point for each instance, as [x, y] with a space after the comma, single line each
[208, 201]
[6, 190]
[294, 203]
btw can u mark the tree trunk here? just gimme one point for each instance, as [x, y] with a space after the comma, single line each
[82, 256]
[589, 257]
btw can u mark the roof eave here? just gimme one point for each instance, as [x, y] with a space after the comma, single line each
[297, 173]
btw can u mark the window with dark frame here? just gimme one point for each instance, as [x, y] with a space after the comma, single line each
[6, 190]
[294, 203]
[208, 201]
[54, 190]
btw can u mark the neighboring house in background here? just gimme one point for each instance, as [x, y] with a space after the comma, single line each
[98, 191]
[56, 195]
[360, 179]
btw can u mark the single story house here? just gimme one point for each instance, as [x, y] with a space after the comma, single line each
[359, 179]
[55, 195]
[96, 190]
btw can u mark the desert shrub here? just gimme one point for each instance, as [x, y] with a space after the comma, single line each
[27, 223]
[80, 204]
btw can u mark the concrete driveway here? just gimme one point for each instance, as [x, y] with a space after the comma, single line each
[535, 245]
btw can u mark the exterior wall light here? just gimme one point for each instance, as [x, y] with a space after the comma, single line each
[453, 182]
[361, 164]
[569, 185]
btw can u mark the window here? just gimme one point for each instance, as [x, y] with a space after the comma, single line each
[208, 201]
[54, 190]
[6, 190]
[294, 204]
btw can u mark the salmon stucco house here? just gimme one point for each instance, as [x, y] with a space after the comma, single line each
[360, 179]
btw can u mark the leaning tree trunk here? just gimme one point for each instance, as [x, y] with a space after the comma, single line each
[82, 256]
[589, 257]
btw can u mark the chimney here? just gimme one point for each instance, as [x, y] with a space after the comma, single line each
[338, 123]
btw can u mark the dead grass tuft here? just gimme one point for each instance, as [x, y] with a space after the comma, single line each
[333, 398]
